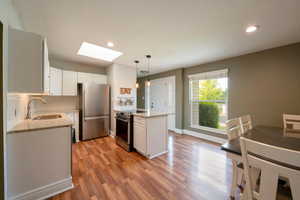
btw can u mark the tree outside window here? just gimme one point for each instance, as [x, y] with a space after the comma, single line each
[212, 103]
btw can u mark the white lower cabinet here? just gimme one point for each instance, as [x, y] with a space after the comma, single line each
[140, 138]
[151, 135]
[39, 163]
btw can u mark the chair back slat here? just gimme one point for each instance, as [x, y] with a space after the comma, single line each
[291, 122]
[246, 123]
[273, 162]
[233, 128]
[278, 154]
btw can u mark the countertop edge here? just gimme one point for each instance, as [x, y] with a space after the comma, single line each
[32, 125]
[37, 129]
[149, 116]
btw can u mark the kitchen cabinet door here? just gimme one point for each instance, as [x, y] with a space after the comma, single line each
[69, 83]
[55, 81]
[46, 69]
[83, 77]
[99, 78]
[91, 78]
[26, 62]
[140, 138]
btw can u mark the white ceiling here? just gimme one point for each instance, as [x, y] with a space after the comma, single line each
[177, 33]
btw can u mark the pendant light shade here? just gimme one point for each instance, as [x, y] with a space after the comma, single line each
[148, 83]
[137, 73]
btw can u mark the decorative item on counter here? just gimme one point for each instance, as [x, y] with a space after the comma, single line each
[120, 101]
[129, 102]
[125, 90]
[126, 101]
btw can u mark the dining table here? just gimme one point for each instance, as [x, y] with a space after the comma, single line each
[274, 136]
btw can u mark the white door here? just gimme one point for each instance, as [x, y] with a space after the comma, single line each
[69, 83]
[162, 98]
[55, 81]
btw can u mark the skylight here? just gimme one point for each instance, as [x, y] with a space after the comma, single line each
[95, 51]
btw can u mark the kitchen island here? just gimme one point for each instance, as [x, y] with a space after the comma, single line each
[150, 133]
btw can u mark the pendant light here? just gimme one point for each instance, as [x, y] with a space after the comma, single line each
[148, 83]
[137, 73]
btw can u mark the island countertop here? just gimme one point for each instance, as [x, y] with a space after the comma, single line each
[31, 125]
[149, 114]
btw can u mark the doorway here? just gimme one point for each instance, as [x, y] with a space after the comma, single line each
[162, 98]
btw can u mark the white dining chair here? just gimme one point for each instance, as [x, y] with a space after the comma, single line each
[234, 130]
[273, 162]
[291, 122]
[246, 123]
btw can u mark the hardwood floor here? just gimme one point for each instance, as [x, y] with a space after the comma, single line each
[193, 169]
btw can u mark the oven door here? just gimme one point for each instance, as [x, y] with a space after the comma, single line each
[122, 131]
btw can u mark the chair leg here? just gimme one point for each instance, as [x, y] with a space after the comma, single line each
[234, 179]
[255, 173]
[240, 177]
[294, 184]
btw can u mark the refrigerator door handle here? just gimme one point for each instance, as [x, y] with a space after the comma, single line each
[83, 100]
[93, 118]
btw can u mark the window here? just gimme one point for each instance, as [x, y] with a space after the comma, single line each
[208, 100]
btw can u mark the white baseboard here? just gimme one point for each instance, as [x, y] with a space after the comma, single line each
[46, 191]
[156, 155]
[205, 136]
[179, 131]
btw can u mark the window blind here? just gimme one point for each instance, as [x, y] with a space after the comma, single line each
[209, 75]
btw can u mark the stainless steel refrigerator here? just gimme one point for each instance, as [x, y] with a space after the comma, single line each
[94, 101]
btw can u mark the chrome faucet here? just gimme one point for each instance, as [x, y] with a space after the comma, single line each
[28, 115]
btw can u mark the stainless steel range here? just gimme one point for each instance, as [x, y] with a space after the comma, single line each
[124, 130]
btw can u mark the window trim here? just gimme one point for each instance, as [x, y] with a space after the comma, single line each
[205, 128]
[191, 78]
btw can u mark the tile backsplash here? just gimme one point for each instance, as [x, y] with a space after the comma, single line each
[16, 109]
[56, 104]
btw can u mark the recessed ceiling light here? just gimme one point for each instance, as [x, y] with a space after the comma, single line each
[95, 51]
[110, 44]
[251, 29]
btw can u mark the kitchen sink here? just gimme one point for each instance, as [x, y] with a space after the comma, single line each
[47, 117]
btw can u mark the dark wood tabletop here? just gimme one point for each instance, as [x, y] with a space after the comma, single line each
[268, 135]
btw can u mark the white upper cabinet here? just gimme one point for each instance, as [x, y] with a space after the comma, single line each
[69, 87]
[55, 81]
[28, 70]
[94, 78]
[46, 68]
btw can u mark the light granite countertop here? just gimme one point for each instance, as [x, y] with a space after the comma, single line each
[149, 114]
[31, 125]
[39, 112]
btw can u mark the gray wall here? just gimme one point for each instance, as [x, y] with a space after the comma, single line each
[73, 66]
[179, 92]
[264, 84]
